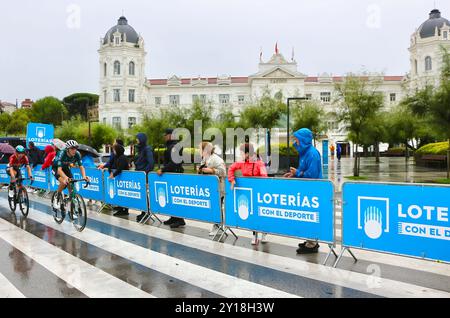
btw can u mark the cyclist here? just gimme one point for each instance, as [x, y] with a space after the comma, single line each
[16, 161]
[66, 159]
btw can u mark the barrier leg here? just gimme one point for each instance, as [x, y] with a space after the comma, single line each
[341, 254]
[329, 253]
[224, 230]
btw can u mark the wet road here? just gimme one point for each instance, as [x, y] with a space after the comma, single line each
[116, 257]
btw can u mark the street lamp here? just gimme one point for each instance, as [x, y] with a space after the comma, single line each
[287, 134]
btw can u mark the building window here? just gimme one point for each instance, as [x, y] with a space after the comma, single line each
[428, 64]
[131, 95]
[415, 67]
[116, 68]
[131, 68]
[105, 70]
[199, 98]
[117, 40]
[224, 99]
[174, 100]
[445, 35]
[325, 97]
[241, 99]
[131, 122]
[393, 97]
[308, 96]
[105, 96]
[158, 101]
[116, 122]
[117, 95]
[104, 120]
[332, 126]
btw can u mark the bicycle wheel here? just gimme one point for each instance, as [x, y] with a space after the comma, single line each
[24, 202]
[58, 214]
[78, 213]
[12, 201]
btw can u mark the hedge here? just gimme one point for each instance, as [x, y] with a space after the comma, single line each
[439, 148]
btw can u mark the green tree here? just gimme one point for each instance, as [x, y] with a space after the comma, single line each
[48, 110]
[310, 115]
[78, 103]
[375, 133]
[78, 130]
[18, 123]
[358, 103]
[440, 106]
[5, 119]
[153, 126]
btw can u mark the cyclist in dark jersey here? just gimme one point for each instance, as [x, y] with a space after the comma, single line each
[64, 160]
[16, 161]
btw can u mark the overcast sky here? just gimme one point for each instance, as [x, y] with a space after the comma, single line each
[49, 47]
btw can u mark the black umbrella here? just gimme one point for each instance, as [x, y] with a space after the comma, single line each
[89, 149]
[7, 149]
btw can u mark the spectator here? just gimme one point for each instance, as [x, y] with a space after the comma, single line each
[143, 160]
[50, 154]
[252, 166]
[339, 152]
[310, 167]
[171, 166]
[110, 162]
[214, 165]
[111, 157]
[35, 155]
[120, 164]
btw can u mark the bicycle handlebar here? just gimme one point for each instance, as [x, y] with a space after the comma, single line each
[80, 180]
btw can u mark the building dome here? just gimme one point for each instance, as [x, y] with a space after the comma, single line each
[124, 28]
[428, 28]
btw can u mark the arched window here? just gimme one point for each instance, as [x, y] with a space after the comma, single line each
[415, 67]
[105, 69]
[131, 68]
[116, 68]
[428, 64]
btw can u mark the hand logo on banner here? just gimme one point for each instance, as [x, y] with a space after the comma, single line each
[373, 222]
[371, 210]
[161, 193]
[111, 185]
[243, 207]
[243, 204]
[40, 132]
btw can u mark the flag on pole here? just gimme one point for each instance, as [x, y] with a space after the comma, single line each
[260, 54]
[276, 48]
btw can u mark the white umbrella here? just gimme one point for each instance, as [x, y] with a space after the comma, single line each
[58, 143]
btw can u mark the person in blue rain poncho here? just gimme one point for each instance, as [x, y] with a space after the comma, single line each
[310, 167]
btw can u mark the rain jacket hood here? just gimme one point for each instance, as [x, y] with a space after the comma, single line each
[305, 136]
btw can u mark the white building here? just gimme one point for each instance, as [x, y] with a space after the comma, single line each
[126, 94]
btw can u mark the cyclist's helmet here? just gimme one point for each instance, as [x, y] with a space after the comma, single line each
[71, 144]
[20, 149]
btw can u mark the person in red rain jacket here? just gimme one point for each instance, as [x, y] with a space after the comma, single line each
[50, 154]
[250, 167]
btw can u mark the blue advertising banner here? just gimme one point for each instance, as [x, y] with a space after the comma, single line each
[189, 196]
[4, 178]
[289, 207]
[95, 190]
[128, 190]
[411, 220]
[41, 134]
[41, 178]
